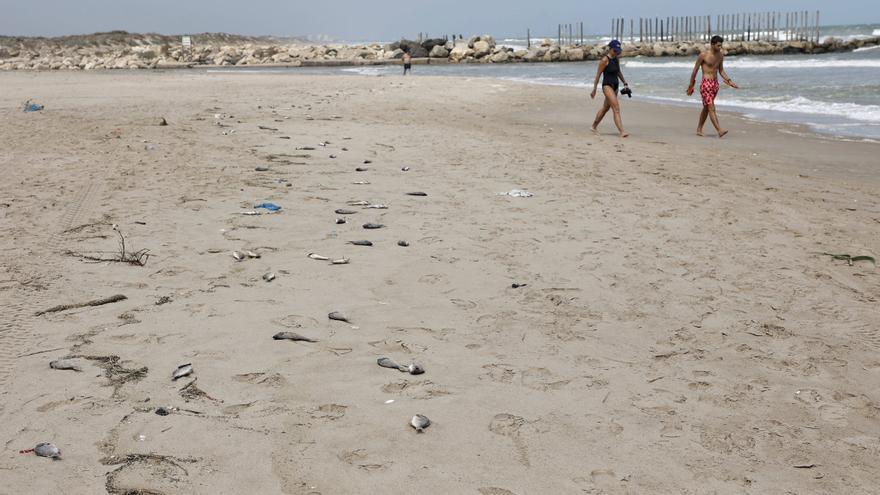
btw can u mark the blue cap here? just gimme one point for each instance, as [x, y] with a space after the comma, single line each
[614, 45]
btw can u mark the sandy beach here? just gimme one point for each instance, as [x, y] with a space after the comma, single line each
[678, 330]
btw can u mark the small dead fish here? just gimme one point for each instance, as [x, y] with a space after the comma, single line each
[373, 225]
[343, 149]
[420, 422]
[268, 277]
[405, 169]
[387, 363]
[341, 261]
[358, 203]
[361, 243]
[161, 411]
[343, 211]
[252, 254]
[332, 156]
[323, 143]
[182, 371]
[267, 128]
[414, 369]
[61, 364]
[367, 162]
[239, 256]
[306, 148]
[46, 449]
[517, 286]
[336, 315]
[340, 221]
[261, 169]
[361, 183]
[250, 213]
[316, 256]
[417, 193]
[402, 243]
[376, 207]
[292, 336]
[361, 169]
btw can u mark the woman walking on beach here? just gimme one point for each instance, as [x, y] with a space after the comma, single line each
[609, 69]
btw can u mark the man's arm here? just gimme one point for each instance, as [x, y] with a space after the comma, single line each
[725, 76]
[697, 66]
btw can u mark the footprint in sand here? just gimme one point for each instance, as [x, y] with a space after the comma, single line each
[492, 490]
[509, 425]
[330, 412]
[421, 390]
[359, 458]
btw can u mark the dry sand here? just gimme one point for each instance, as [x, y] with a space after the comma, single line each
[678, 332]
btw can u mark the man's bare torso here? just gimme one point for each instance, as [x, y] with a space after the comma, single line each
[711, 63]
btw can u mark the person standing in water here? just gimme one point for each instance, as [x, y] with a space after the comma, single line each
[407, 62]
[712, 64]
[609, 69]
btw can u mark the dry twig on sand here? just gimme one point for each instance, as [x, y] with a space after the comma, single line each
[96, 302]
[139, 257]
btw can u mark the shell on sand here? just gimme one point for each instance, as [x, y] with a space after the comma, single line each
[336, 315]
[182, 371]
[387, 363]
[46, 449]
[420, 422]
[63, 364]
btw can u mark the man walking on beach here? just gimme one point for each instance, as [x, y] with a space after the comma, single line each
[712, 63]
[407, 62]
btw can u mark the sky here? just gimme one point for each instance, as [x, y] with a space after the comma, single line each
[376, 20]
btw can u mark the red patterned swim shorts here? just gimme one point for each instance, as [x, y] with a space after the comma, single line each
[708, 91]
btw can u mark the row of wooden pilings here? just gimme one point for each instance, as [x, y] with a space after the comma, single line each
[763, 26]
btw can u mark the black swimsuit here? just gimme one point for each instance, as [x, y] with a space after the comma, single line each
[609, 75]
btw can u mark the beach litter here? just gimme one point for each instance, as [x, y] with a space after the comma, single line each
[517, 193]
[420, 422]
[44, 449]
[271, 207]
[182, 371]
[851, 259]
[293, 336]
[412, 368]
[30, 106]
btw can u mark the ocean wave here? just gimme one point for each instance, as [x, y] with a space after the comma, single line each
[866, 48]
[369, 71]
[799, 104]
[747, 63]
[876, 32]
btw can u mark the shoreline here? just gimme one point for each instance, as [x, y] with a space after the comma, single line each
[671, 309]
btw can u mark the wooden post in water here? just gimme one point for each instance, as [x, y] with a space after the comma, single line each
[631, 39]
[817, 27]
[528, 38]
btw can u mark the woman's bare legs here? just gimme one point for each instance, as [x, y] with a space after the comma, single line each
[611, 101]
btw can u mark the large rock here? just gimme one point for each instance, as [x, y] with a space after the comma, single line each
[461, 52]
[413, 47]
[429, 45]
[575, 54]
[481, 49]
[500, 57]
[439, 51]
[533, 55]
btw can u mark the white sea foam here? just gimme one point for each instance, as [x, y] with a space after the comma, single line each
[749, 63]
[876, 32]
[866, 48]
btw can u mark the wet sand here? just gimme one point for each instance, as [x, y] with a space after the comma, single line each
[678, 332]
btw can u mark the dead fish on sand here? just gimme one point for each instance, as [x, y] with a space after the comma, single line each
[336, 315]
[420, 422]
[182, 371]
[412, 368]
[405, 169]
[373, 225]
[361, 243]
[268, 277]
[292, 336]
[340, 261]
[367, 162]
[44, 449]
[343, 211]
[238, 255]
[266, 128]
[316, 256]
[323, 143]
[417, 193]
[361, 169]
[361, 183]
[402, 243]
[376, 207]
[340, 221]
[62, 364]
[357, 203]
[306, 148]
[252, 254]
